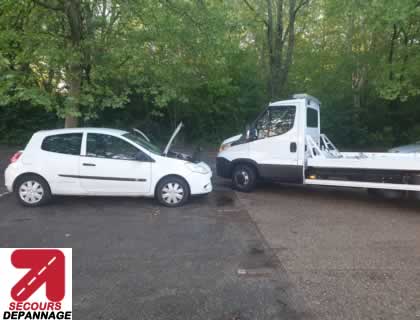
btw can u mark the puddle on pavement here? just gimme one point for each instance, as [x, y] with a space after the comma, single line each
[256, 250]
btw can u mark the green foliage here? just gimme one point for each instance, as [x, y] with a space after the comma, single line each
[151, 64]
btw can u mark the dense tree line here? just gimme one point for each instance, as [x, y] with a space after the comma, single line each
[213, 64]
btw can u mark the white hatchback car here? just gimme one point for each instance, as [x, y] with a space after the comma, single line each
[103, 162]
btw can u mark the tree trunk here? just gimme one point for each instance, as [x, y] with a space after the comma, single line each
[281, 44]
[71, 122]
[271, 53]
[74, 16]
[75, 84]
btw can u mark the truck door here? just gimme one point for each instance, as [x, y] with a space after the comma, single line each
[275, 145]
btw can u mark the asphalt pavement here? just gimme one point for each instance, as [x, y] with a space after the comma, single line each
[133, 259]
[351, 255]
[281, 252]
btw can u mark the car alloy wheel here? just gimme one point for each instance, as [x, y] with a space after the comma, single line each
[31, 192]
[173, 193]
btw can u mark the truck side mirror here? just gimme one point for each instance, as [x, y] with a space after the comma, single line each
[251, 133]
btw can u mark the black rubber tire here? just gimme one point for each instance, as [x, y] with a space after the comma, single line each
[46, 197]
[375, 192]
[163, 183]
[239, 182]
[387, 194]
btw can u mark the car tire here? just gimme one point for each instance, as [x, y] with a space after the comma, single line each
[244, 178]
[32, 191]
[172, 192]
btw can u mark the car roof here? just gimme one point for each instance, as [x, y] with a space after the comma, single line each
[116, 132]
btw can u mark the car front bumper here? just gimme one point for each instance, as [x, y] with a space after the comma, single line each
[201, 183]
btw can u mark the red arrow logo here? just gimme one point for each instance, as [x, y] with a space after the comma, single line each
[46, 266]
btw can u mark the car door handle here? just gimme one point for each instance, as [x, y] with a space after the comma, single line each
[89, 164]
[293, 147]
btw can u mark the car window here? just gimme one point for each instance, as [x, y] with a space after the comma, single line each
[311, 118]
[68, 143]
[110, 147]
[276, 121]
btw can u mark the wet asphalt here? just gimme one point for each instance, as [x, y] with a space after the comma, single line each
[282, 252]
[133, 259]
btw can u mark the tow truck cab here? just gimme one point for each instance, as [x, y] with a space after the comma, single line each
[285, 144]
[274, 145]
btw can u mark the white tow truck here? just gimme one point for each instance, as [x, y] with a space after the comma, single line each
[285, 144]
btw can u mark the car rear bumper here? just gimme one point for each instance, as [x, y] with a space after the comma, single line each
[9, 177]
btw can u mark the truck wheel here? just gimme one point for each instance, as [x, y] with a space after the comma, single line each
[244, 178]
[415, 195]
[375, 192]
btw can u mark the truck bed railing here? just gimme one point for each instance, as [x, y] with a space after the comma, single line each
[329, 146]
[325, 148]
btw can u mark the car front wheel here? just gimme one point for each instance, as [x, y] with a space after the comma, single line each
[32, 191]
[172, 192]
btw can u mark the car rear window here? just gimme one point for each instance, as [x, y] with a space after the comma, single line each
[69, 143]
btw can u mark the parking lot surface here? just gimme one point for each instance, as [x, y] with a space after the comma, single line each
[133, 259]
[351, 256]
[282, 252]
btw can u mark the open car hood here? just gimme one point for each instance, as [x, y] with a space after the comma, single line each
[168, 146]
[141, 133]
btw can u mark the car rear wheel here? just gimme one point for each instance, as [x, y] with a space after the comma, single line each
[32, 191]
[244, 178]
[172, 192]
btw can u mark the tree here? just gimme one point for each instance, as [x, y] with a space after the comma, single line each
[280, 30]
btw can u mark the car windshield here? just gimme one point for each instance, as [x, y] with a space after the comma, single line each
[143, 142]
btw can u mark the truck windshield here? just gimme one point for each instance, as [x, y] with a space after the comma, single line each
[143, 142]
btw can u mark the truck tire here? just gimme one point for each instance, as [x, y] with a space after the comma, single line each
[387, 193]
[394, 194]
[414, 194]
[375, 192]
[244, 178]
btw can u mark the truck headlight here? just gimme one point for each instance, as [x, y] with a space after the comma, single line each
[197, 167]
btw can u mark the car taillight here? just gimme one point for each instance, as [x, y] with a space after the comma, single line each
[15, 157]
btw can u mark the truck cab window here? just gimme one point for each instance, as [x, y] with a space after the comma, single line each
[276, 121]
[311, 118]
